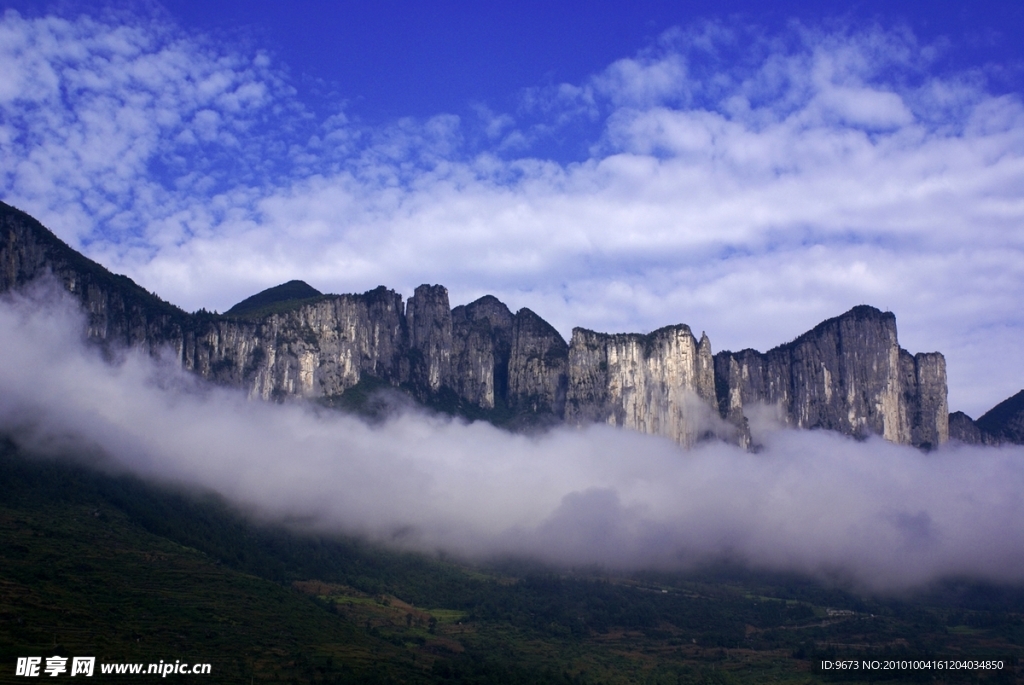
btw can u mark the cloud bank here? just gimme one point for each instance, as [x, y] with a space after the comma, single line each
[747, 184]
[877, 515]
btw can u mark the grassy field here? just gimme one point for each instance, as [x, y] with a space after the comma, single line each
[95, 565]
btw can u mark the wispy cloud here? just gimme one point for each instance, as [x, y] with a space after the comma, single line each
[747, 184]
[876, 515]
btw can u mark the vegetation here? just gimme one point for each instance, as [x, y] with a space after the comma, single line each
[282, 307]
[94, 564]
[376, 399]
[292, 293]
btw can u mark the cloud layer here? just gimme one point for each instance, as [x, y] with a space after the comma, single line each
[749, 185]
[877, 515]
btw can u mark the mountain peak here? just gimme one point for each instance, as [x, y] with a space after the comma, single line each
[286, 292]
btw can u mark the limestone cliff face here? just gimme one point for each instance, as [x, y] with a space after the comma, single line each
[481, 349]
[923, 377]
[848, 374]
[538, 364]
[319, 349]
[429, 319]
[661, 383]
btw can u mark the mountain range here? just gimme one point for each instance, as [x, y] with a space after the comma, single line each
[848, 374]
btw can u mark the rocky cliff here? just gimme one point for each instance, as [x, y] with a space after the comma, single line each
[481, 351]
[848, 374]
[429, 321]
[118, 310]
[538, 366]
[320, 348]
[1002, 424]
[662, 383]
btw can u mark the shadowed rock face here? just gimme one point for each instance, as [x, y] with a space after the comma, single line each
[1003, 423]
[538, 366]
[963, 429]
[117, 309]
[923, 377]
[848, 374]
[481, 351]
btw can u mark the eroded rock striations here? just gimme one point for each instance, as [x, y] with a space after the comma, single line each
[662, 383]
[481, 350]
[538, 366]
[848, 374]
[429, 321]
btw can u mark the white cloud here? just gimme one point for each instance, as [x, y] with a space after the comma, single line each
[746, 184]
[642, 83]
[96, 109]
[876, 515]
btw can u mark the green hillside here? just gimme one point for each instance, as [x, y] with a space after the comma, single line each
[96, 565]
[279, 298]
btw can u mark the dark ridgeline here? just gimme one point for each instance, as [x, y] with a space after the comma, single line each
[1002, 424]
[848, 374]
[283, 295]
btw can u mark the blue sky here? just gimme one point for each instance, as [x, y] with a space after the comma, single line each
[615, 166]
[400, 58]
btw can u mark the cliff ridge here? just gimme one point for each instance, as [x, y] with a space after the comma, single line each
[848, 374]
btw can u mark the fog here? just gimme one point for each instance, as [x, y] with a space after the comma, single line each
[878, 516]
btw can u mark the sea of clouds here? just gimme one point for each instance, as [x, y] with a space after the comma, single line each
[875, 515]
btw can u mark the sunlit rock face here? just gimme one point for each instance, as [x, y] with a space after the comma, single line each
[658, 383]
[318, 349]
[849, 375]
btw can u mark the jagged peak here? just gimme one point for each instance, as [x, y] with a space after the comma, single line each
[427, 289]
[416, 346]
[487, 308]
[527, 318]
[486, 300]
